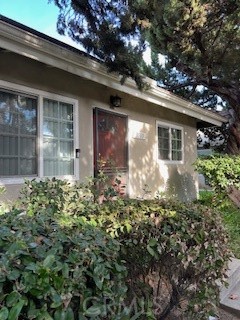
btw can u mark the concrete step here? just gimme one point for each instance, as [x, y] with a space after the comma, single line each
[230, 295]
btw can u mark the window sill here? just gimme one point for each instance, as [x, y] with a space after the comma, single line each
[17, 181]
[170, 162]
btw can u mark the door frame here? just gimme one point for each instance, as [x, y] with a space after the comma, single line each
[124, 170]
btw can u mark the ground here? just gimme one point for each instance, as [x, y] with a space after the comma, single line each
[224, 315]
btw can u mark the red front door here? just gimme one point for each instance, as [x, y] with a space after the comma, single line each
[110, 146]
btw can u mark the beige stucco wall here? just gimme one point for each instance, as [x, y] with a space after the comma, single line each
[144, 167]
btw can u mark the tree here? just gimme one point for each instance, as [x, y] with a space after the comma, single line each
[200, 39]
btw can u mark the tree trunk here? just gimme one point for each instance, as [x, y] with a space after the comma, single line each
[232, 95]
[233, 140]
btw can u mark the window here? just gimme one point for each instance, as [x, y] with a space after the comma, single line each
[37, 135]
[58, 143]
[18, 134]
[170, 142]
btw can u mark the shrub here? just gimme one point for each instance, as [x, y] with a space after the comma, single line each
[53, 271]
[230, 215]
[175, 254]
[222, 171]
[55, 196]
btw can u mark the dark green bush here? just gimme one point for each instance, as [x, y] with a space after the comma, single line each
[175, 255]
[52, 271]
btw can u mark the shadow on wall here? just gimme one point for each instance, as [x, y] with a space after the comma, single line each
[143, 168]
[182, 184]
[148, 176]
[148, 173]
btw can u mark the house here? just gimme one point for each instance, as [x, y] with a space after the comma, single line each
[61, 112]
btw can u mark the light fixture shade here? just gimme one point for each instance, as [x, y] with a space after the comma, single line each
[115, 101]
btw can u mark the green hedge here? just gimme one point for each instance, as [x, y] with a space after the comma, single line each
[222, 171]
[168, 244]
[53, 271]
[139, 259]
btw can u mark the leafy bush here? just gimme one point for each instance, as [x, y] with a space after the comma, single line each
[58, 196]
[230, 215]
[175, 255]
[222, 171]
[55, 196]
[53, 271]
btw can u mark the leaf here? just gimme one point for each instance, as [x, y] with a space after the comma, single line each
[12, 298]
[119, 267]
[99, 269]
[13, 275]
[98, 282]
[4, 313]
[128, 227]
[44, 315]
[152, 242]
[15, 310]
[64, 315]
[65, 270]
[150, 250]
[94, 311]
[31, 266]
[33, 245]
[48, 261]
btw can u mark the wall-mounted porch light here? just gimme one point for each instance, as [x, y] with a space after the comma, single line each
[115, 101]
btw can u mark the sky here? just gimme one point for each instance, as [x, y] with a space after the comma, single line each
[37, 14]
[41, 16]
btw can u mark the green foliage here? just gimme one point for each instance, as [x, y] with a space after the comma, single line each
[56, 196]
[53, 271]
[105, 30]
[222, 171]
[168, 244]
[59, 258]
[61, 196]
[194, 36]
[230, 215]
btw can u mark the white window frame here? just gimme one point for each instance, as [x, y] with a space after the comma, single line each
[40, 95]
[170, 126]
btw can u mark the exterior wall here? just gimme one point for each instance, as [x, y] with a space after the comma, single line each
[144, 168]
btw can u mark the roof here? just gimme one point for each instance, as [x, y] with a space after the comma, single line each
[28, 42]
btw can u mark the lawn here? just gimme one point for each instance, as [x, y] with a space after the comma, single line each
[230, 214]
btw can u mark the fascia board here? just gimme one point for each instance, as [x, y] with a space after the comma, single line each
[37, 48]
